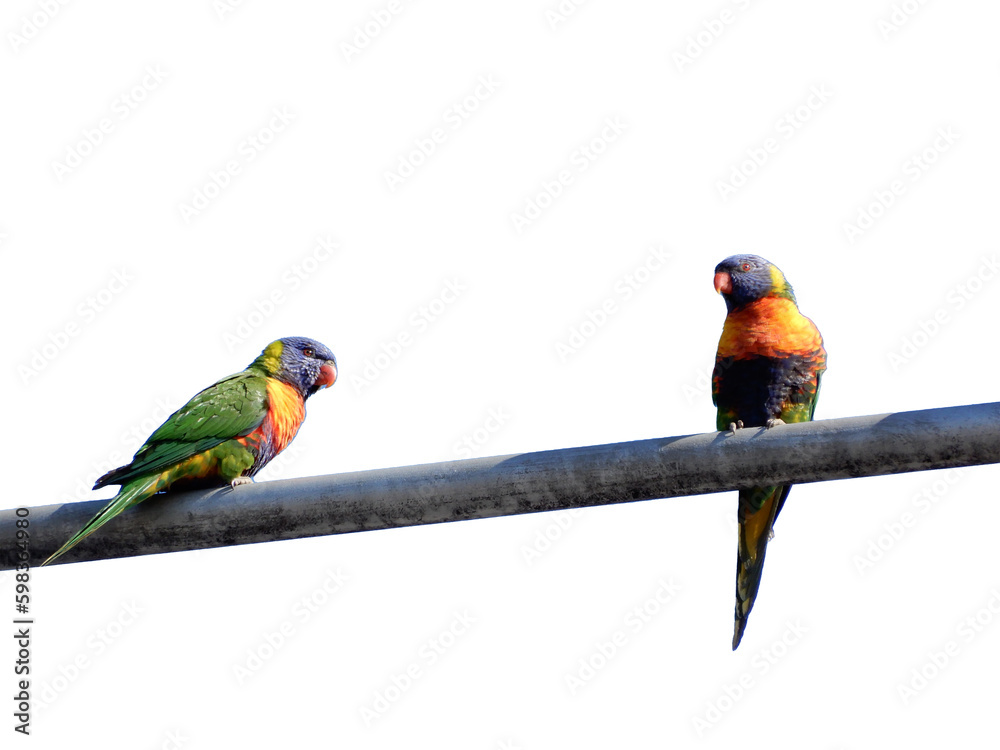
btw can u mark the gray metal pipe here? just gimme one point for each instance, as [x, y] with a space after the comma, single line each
[520, 483]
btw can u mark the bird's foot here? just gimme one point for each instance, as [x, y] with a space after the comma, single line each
[240, 480]
[734, 426]
[773, 422]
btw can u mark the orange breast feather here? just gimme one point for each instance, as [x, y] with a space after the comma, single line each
[768, 327]
[285, 415]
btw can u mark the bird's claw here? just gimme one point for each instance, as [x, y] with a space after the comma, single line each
[773, 422]
[240, 480]
[734, 426]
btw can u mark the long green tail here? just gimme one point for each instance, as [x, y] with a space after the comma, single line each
[758, 509]
[131, 494]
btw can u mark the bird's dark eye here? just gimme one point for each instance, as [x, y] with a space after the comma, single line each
[309, 351]
[746, 267]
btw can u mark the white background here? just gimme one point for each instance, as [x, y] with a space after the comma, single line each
[831, 640]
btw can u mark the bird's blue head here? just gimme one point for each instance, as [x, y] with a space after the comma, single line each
[742, 279]
[303, 363]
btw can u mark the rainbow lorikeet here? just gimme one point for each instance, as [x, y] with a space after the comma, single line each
[226, 433]
[767, 372]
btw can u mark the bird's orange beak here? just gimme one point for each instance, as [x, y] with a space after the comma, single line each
[327, 375]
[723, 282]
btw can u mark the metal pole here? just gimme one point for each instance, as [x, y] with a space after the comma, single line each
[521, 483]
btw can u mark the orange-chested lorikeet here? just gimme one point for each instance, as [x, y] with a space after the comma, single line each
[767, 372]
[226, 433]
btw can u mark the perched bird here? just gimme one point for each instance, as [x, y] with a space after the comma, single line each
[767, 372]
[226, 433]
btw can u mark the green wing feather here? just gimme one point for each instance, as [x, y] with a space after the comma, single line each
[231, 408]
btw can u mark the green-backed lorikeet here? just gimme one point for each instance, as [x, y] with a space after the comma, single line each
[226, 433]
[767, 372]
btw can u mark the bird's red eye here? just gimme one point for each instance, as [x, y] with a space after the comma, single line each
[309, 351]
[746, 266]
